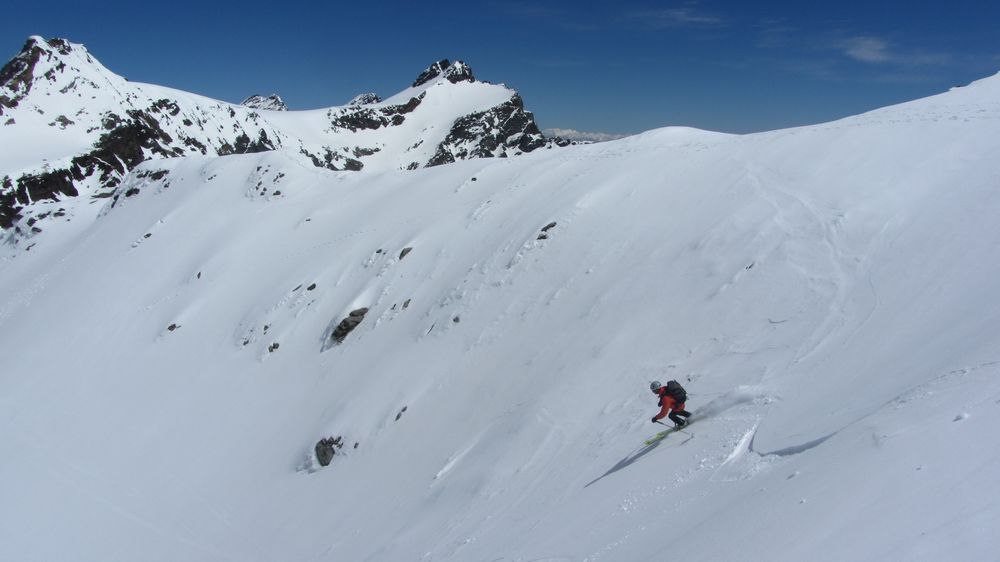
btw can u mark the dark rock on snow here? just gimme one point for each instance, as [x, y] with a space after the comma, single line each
[356, 118]
[327, 447]
[347, 325]
[365, 99]
[272, 102]
[502, 129]
[454, 73]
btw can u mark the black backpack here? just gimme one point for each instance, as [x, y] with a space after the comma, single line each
[677, 391]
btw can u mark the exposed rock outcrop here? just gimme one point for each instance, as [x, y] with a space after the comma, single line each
[453, 72]
[365, 99]
[326, 448]
[505, 130]
[346, 326]
[17, 76]
[356, 118]
[272, 102]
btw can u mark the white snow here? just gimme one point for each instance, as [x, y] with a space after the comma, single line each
[827, 295]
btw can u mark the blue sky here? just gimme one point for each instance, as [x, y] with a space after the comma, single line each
[618, 67]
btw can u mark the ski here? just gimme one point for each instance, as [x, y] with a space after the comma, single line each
[659, 436]
[665, 433]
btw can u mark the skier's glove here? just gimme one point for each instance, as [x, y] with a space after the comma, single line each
[653, 420]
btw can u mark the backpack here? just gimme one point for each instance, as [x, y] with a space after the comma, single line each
[677, 391]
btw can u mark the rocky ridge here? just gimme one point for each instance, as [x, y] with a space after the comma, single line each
[272, 102]
[505, 130]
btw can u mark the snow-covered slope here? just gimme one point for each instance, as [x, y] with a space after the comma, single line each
[827, 294]
[71, 129]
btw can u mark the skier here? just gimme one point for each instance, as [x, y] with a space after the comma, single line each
[672, 398]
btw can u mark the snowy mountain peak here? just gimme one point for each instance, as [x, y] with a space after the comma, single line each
[272, 102]
[73, 131]
[42, 61]
[365, 99]
[453, 72]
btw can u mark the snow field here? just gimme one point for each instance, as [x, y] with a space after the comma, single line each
[825, 294]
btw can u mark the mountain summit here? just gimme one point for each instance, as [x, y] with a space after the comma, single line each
[272, 102]
[42, 61]
[453, 72]
[71, 128]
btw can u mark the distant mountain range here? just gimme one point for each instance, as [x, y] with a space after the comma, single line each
[71, 128]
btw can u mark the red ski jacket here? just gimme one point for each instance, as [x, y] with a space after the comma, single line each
[666, 403]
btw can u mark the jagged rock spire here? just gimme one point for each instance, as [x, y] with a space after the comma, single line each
[453, 72]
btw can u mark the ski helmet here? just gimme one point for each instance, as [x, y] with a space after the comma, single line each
[655, 385]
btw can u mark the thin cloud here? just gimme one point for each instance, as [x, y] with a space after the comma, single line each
[685, 16]
[875, 50]
[866, 49]
[573, 134]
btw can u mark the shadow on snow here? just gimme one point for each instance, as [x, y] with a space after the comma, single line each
[633, 457]
[732, 398]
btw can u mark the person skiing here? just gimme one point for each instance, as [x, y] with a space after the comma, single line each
[672, 398]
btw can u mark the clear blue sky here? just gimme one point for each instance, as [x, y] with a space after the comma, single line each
[618, 67]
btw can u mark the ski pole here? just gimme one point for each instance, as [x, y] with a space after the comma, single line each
[674, 428]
